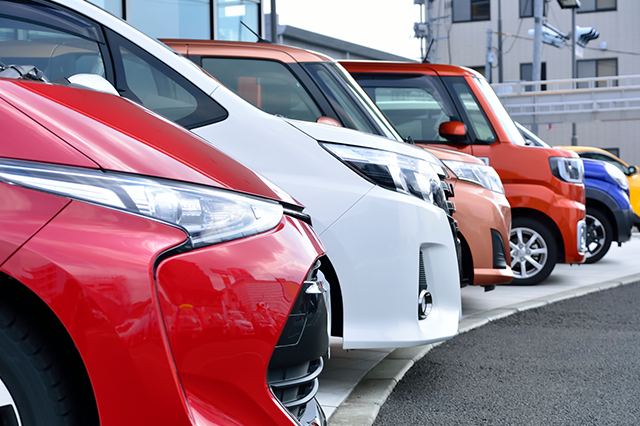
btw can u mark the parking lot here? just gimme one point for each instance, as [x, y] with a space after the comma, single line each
[356, 383]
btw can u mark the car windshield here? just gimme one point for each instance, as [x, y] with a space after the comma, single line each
[528, 134]
[607, 158]
[503, 116]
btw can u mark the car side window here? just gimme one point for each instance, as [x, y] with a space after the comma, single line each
[143, 78]
[481, 126]
[341, 101]
[268, 85]
[54, 40]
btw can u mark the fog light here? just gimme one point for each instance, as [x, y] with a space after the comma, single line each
[425, 303]
[582, 236]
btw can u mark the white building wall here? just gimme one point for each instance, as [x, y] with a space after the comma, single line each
[620, 29]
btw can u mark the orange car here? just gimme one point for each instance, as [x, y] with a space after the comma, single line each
[456, 108]
[302, 85]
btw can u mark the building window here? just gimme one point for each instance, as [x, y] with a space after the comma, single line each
[480, 69]
[597, 68]
[526, 74]
[115, 7]
[171, 18]
[471, 10]
[596, 6]
[190, 18]
[526, 8]
[232, 14]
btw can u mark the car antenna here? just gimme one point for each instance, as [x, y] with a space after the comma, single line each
[260, 39]
[425, 61]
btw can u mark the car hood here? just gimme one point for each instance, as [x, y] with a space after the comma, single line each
[328, 133]
[446, 154]
[100, 130]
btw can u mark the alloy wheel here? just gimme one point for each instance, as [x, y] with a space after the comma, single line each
[529, 252]
[8, 409]
[596, 236]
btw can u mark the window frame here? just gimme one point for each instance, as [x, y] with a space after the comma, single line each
[471, 19]
[543, 74]
[597, 9]
[581, 85]
[520, 8]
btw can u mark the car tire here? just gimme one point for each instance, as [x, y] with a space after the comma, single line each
[599, 234]
[534, 251]
[33, 387]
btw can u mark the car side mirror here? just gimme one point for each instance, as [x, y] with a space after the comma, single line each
[633, 170]
[93, 82]
[328, 121]
[453, 131]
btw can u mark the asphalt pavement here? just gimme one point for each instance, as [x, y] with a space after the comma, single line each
[575, 362]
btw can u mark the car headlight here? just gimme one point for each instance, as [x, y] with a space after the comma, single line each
[480, 174]
[617, 175]
[397, 172]
[208, 215]
[568, 169]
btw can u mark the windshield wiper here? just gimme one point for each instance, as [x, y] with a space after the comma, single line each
[25, 72]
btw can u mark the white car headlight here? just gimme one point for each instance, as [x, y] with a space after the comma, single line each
[617, 175]
[208, 215]
[568, 169]
[397, 172]
[480, 174]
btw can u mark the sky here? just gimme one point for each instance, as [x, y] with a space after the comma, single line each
[385, 25]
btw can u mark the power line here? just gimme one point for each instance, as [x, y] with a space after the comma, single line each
[622, 52]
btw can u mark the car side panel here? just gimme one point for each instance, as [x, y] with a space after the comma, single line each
[94, 268]
[19, 220]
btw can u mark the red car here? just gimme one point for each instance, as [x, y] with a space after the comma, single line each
[147, 278]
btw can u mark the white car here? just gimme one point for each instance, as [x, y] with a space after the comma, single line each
[393, 271]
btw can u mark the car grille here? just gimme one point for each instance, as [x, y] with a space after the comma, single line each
[295, 385]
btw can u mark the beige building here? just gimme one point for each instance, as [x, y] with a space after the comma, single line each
[460, 29]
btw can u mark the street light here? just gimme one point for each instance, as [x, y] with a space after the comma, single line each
[573, 5]
[569, 4]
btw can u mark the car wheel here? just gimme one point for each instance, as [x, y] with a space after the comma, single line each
[33, 390]
[534, 251]
[599, 235]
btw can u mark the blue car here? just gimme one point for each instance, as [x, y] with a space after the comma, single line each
[609, 213]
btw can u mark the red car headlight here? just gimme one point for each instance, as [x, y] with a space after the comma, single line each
[208, 215]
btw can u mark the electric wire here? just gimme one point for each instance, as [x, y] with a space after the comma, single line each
[568, 46]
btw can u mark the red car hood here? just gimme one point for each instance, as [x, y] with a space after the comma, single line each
[99, 130]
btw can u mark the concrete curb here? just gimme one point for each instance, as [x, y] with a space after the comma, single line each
[363, 403]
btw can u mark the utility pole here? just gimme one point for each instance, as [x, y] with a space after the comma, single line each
[487, 63]
[274, 23]
[429, 7]
[574, 73]
[500, 76]
[536, 67]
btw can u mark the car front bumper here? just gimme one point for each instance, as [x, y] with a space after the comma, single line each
[478, 212]
[383, 249]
